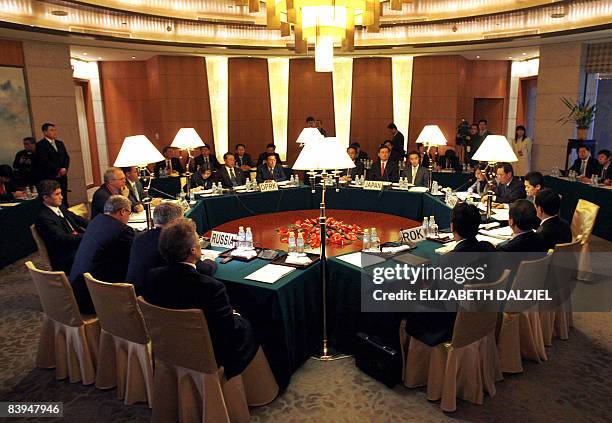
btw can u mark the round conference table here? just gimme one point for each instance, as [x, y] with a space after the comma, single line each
[264, 227]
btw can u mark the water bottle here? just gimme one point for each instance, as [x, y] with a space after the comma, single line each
[434, 187]
[366, 239]
[34, 191]
[28, 193]
[433, 227]
[241, 237]
[447, 195]
[470, 191]
[374, 240]
[594, 180]
[191, 196]
[300, 243]
[248, 240]
[426, 225]
[291, 246]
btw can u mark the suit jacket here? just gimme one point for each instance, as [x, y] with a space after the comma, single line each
[98, 200]
[398, 144]
[196, 180]
[262, 158]
[605, 173]
[132, 196]
[59, 238]
[24, 168]
[7, 189]
[553, 231]
[244, 161]
[263, 173]
[527, 242]
[425, 160]
[180, 286]
[515, 190]
[104, 252]
[422, 176]
[212, 164]
[476, 141]
[592, 167]
[176, 166]
[48, 162]
[222, 175]
[391, 172]
[354, 171]
[145, 255]
[362, 155]
[449, 162]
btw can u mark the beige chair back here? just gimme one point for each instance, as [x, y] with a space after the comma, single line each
[180, 337]
[470, 326]
[81, 209]
[584, 218]
[562, 273]
[531, 275]
[40, 244]
[117, 309]
[56, 296]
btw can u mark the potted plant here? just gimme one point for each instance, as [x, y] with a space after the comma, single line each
[581, 113]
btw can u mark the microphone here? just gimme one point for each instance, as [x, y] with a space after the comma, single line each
[470, 181]
[162, 193]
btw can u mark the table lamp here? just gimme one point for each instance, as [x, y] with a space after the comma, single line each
[138, 151]
[309, 134]
[187, 139]
[319, 157]
[494, 149]
[431, 136]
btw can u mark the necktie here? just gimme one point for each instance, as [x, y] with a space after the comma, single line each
[414, 171]
[2, 189]
[272, 173]
[135, 189]
[583, 168]
[169, 164]
[233, 177]
[53, 145]
[382, 169]
[60, 214]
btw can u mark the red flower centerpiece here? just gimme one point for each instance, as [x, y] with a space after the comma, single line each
[338, 232]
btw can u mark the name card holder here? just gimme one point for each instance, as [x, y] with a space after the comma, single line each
[373, 185]
[268, 186]
[222, 239]
[412, 235]
[452, 201]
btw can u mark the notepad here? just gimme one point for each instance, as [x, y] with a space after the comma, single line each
[270, 273]
[9, 204]
[503, 233]
[360, 259]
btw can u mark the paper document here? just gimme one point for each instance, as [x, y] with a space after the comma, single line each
[500, 214]
[138, 217]
[299, 260]
[270, 273]
[360, 259]
[9, 204]
[503, 233]
[210, 254]
[488, 225]
[451, 245]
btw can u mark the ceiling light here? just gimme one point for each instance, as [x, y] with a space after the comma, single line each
[59, 13]
[509, 57]
[524, 54]
[99, 58]
[133, 57]
[478, 57]
[84, 54]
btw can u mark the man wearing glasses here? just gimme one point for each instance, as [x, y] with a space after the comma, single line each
[114, 184]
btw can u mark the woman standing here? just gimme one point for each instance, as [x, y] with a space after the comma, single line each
[521, 145]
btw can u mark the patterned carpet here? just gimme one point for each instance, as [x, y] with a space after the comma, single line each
[573, 386]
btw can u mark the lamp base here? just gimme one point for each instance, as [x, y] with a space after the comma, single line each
[328, 353]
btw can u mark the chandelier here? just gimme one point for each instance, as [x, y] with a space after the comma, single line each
[325, 23]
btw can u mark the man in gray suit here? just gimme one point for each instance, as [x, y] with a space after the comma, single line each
[416, 174]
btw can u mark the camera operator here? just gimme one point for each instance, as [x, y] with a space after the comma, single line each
[463, 138]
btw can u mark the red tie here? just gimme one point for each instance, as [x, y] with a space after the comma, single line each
[2, 189]
[382, 168]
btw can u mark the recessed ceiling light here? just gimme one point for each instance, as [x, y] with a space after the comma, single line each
[99, 58]
[84, 54]
[59, 13]
[133, 57]
[478, 57]
[509, 57]
[524, 54]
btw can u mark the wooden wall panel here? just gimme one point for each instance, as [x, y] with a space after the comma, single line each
[310, 94]
[11, 53]
[250, 115]
[372, 102]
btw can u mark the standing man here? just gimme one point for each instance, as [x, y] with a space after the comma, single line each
[52, 159]
[320, 127]
[136, 191]
[397, 140]
[476, 140]
[23, 163]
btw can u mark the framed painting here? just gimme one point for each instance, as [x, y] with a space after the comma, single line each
[15, 123]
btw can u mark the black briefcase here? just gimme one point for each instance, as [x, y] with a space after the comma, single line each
[378, 360]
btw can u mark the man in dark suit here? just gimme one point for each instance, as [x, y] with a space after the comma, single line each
[270, 149]
[350, 174]
[361, 155]
[416, 174]
[135, 188]
[145, 255]
[397, 141]
[24, 163]
[229, 175]
[8, 190]
[179, 285]
[553, 229]
[52, 160]
[476, 140]
[60, 229]
[384, 169]
[522, 214]
[206, 160]
[508, 189]
[171, 163]
[424, 159]
[114, 184]
[243, 159]
[449, 161]
[433, 328]
[605, 170]
[270, 170]
[585, 165]
[104, 250]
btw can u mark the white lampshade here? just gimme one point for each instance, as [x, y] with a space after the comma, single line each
[187, 138]
[309, 134]
[495, 149]
[325, 154]
[137, 150]
[431, 136]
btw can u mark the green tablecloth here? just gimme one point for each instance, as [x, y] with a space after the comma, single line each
[16, 240]
[166, 187]
[571, 192]
[345, 318]
[286, 315]
[435, 206]
[453, 180]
